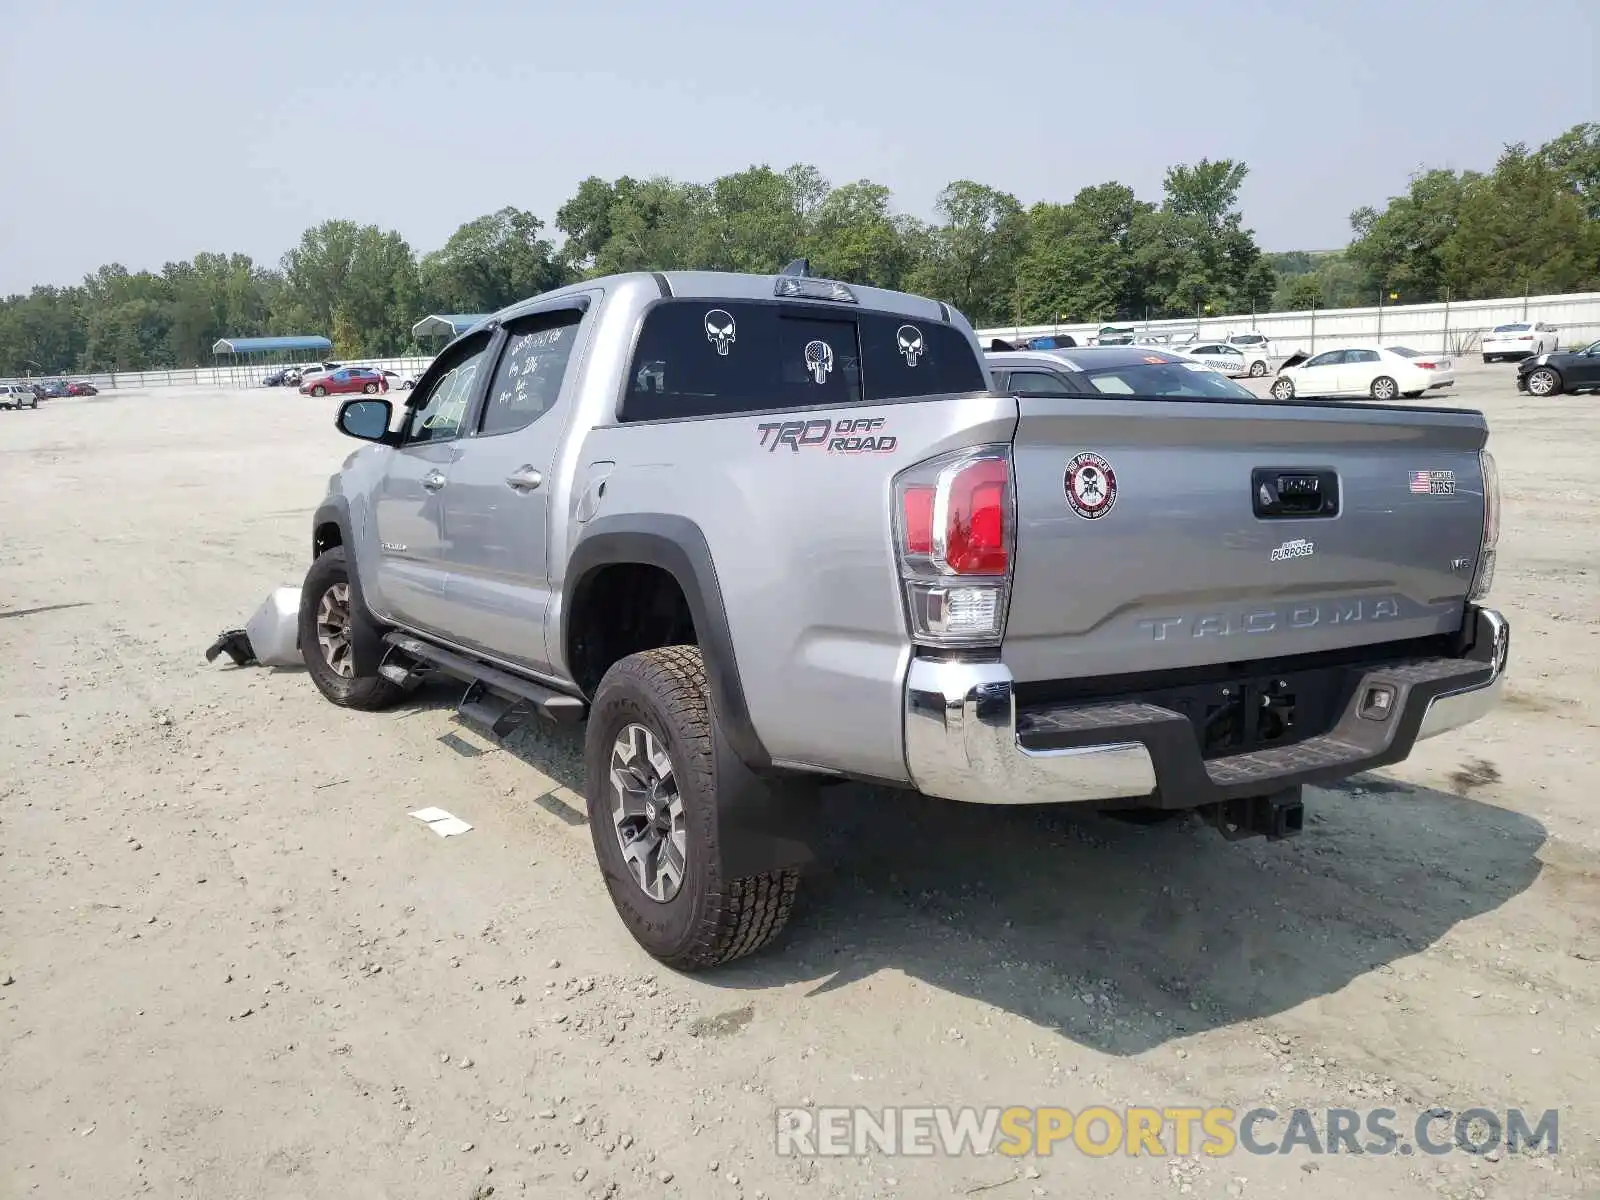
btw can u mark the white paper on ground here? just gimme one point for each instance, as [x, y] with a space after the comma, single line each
[441, 822]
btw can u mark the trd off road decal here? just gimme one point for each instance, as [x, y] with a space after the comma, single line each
[720, 331]
[1091, 486]
[847, 435]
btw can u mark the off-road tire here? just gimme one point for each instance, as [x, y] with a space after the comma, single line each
[711, 919]
[1384, 389]
[367, 692]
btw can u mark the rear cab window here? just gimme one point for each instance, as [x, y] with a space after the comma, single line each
[1166, 379]
[707, 358]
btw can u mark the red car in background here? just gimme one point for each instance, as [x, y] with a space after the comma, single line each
[344, 381]
[82, 388]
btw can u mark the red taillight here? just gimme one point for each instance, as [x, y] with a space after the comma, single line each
[975, 519]
[917, 515]
[1427, 366]
[1527, 337]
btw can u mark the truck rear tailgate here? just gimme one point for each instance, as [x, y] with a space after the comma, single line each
[1165, 534]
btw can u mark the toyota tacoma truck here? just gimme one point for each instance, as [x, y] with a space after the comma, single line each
[764, 533]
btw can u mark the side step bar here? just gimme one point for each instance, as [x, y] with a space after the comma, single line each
[494, 697]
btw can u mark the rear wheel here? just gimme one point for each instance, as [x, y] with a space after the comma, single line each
[651, 788]
[1283, 389]
[1257, 369]
[371, 389]
[1384, 388]
[319, 390]
[333, 621]
[1544, 382]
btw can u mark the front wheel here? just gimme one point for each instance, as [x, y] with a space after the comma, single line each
[651, 789]
[1384, 388]
[319, 390]
[1283, 389]
[1257, 369]
[1544, 382]
[334, 624]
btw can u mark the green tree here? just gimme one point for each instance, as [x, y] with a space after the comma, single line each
[491, 262]
[973, 254]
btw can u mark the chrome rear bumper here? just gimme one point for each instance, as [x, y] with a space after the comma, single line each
[963, 741]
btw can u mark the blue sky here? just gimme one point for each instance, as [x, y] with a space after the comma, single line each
[143, 132]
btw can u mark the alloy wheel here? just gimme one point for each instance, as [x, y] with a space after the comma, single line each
[647, 812]
[1542, 382]
[333, 630]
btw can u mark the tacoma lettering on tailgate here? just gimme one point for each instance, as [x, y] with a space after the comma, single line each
[1272, 619]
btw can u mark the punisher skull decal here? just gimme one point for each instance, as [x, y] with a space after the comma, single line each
[1091, 486]
[720, 330]
[819, 360]
[910, 339]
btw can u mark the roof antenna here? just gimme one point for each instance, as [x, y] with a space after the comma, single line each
[799, 268]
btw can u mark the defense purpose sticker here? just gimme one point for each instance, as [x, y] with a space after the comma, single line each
[1091, 486]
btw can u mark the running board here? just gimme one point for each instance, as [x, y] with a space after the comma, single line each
[494, 696]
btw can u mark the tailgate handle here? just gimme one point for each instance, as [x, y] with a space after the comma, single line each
[1294, 492]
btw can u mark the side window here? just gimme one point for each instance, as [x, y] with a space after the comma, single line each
[1039, 383]
[532, 365]
[438, 410]
[1360, 356]
[1326, 359]
[903, 357]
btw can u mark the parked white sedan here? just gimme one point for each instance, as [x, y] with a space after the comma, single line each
[1232, 361]
[1362, 371]
[1522, 339]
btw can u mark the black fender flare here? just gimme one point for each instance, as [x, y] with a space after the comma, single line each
[679, 547]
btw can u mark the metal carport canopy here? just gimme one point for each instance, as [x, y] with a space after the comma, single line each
[446, 324]
[266, 345]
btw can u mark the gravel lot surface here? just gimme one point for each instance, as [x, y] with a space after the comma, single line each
[233, 966]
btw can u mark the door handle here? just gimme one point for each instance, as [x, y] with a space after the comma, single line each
[524, 479]
[433, 480]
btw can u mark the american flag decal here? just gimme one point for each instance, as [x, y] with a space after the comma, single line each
[1433, 483]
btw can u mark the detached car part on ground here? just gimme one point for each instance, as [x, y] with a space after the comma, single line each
[655, 503]
[1552, 374]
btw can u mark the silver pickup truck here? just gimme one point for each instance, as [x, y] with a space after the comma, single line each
[763, 533]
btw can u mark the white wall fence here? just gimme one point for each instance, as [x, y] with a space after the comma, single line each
[1455, 328]
[244, 374]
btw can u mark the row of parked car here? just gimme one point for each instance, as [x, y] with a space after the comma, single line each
[335, 379]
[28, 394]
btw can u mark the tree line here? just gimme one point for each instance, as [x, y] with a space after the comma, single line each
[1532, 223]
